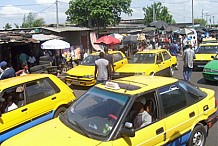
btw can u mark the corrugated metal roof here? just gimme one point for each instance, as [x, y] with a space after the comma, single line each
[43, 37]
[63, 29]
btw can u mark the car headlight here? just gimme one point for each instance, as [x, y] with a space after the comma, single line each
[88, 76]
[206, 70]
[139, 73]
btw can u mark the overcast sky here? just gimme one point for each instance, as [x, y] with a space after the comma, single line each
[13, 11]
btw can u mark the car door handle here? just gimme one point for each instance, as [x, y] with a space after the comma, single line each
[192, 114]
[205, 107]
[53, 98]
[159, 131]
[23, 110]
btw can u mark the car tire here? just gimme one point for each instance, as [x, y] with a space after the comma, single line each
[171, 72]
[59, 111]
[197, 137]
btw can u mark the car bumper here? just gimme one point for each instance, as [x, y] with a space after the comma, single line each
[200, 64]
[212, 119]
[80, 81]
[210, 76]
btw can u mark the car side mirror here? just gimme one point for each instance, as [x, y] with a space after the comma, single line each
[127, 130]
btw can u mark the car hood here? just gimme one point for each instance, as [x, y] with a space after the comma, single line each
[135, 68]
[50, 133]
[212, 64]
[204, 56]
[81, 70]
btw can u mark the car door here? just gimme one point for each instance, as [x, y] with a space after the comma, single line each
[167, 59]
[148, 135]
[179, 114]
[119, 60]
[42, 98]
[12, 119]
[161, 70]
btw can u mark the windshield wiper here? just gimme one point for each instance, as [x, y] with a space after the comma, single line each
[83, 129]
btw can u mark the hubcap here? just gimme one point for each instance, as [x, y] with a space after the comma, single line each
[198, 139]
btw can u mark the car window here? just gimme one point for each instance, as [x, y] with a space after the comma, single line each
[159, 57]
[13, 98]
[143, 111]
[166, 55]
[117, 57]
[173, 99]
[40, 89]
[90, 60]
[192, 91]
[143, 58]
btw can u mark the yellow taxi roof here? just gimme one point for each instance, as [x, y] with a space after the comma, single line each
[138, 84]
[152, 51]
[208, 39]
[20, 79]
[209, 44]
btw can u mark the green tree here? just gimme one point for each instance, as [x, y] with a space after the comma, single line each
[202, 22]
[161, 13]
[100, 13]
[31, 21]
[16, 25]
[7, 26]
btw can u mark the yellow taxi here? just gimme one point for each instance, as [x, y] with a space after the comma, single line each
[149, 62]
[26, 101]
[168, 112]
[204, 54]
[83, 74]
[209, 40]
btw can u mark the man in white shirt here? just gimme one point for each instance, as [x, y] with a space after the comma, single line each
[10, 104]
[101, 73]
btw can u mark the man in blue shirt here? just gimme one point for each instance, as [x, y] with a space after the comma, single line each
[7, 72]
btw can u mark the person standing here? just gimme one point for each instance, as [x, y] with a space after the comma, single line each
[23, 58]
[32, 60]
[23, 71]
[188, 57]
[7, 72]
[110, 59]
[101, 73]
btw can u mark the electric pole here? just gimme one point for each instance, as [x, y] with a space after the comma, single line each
[213, 19]
[193, 13]
[57, 19]
[154, 13]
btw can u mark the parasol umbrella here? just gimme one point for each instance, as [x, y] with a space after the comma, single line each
[159, 24]
[107, 40]
[185, 31]
[149, 29]
[55, 44]
[130, 39]
[117, 36]
[172, 29]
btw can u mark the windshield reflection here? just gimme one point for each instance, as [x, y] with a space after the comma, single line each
[143, 58]
[207, 50]
[97, 111]
[90, 60]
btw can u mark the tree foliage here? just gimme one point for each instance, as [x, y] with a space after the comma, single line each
[7, 26]
[100, 13]
[202, 22]
[161, 13]
[31, 21]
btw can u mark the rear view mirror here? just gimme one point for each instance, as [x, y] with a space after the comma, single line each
[158, 61]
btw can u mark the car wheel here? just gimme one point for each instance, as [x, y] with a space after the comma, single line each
[198, 136]
[171, 72]
[59, 111]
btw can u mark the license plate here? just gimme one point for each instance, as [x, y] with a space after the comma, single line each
[201, 65]
[215, 78]
[75, 82]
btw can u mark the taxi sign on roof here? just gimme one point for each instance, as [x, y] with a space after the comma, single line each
[112, 85]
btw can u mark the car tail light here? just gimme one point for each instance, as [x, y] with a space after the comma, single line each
[216, 103]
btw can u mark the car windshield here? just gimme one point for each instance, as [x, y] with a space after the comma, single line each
[207, 50]
[143, 58]
[97, 111]
[90, 60]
